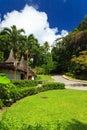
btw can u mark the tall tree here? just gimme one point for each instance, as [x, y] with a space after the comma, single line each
[46, 46]
[83, 24]
[14, 37]
[79, 64]
[33, 49]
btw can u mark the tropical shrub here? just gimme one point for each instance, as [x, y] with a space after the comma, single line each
[10, 93]
[70, 74]
[79, 65]
[24, 83]
[51, 86]
[7, 93]
[40, 70]
[26, 91]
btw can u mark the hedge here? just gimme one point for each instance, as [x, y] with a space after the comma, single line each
[25, 83]
[51, 86]
[27, 91]
[10, 93]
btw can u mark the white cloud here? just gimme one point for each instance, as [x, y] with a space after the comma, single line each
[64, 33]
[32, 21]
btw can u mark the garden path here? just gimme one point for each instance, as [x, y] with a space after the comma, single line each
[69, 83]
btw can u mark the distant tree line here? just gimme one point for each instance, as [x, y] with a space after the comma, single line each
[70, 54]
[67, 55]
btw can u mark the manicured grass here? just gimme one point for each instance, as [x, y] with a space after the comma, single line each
[44, 77]
[53, 110]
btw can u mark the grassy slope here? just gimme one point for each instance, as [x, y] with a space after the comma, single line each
[68, 108]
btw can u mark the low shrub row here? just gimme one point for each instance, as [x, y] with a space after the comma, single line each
[10, 93]
[27, 91]
[25, 83]
[51, 86]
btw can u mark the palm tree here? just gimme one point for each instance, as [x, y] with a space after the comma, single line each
[32, 48]
[15, 38]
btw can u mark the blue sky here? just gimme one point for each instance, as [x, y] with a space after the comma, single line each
[59, 15]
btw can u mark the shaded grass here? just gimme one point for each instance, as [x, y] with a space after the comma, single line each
[54, 110]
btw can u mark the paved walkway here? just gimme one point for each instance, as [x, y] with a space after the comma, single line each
[70, 84]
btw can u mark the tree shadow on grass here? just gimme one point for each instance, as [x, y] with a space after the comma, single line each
[76, 125]
[73, 125]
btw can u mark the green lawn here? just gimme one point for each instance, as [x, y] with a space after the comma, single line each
[51, 110]
[44, 78]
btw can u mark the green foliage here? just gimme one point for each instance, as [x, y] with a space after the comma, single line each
[7, 93]
[27, 91]
[73, 44]
[34, 51]
[46, 47]
[10, 93]
[70, 74]
[39, 70]
[12, 38]
[53, 85]
[48, 64]
[83, 24]
[44, 78]
[4, 79]
[56, 61]
[50, 86]
[79, 64]
[1, 104]
[1, 56]
[25, 88]
[60, 57]
[27, 46]
[24, 83]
